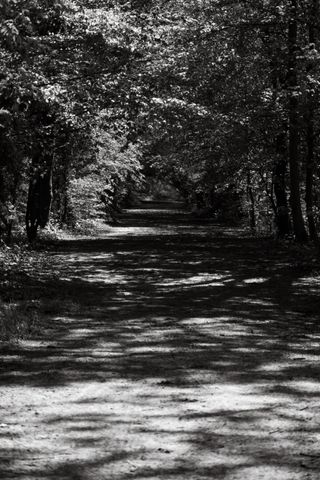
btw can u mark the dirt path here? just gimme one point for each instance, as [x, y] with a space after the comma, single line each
[171, 352]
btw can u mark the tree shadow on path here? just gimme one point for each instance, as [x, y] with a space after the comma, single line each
[188, 350]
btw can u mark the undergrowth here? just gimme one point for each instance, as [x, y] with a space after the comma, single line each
[18, 320]
[21, 268]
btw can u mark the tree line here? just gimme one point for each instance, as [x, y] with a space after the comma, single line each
[218, 97]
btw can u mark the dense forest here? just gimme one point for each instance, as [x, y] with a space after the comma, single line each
[218, 98]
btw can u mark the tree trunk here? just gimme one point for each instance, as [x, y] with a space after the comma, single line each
[310, 131]
[252, 209]
[39, 197]
[280, 206]
[8, 224]
[294, 131]
[310, 164]
[279, 188]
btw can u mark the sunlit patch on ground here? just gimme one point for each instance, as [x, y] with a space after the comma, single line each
[200, 279]
[255, 280]
[309, 284]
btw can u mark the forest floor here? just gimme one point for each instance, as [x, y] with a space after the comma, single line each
[169, 349]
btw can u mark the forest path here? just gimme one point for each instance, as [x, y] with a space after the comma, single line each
[172, 351]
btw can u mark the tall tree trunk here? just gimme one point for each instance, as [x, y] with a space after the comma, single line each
[310, 164]
[279, 171]
[39, 196]
[294, 131]
[252, 206]
[279, 187]
[310, 129]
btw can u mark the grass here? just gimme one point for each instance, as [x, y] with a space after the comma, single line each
[18, 320]
[20, 269]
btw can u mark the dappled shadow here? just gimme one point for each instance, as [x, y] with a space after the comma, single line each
[205, 343]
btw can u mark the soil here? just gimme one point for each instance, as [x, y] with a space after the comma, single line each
[170, 349]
